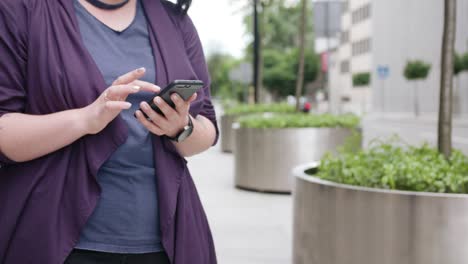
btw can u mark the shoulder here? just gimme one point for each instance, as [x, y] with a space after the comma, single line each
[18, 11]
[182, 21]
[16, 6]
[14, 16]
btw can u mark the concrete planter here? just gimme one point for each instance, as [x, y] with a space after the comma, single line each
[342, 224]
[265, 157]
[227, 134]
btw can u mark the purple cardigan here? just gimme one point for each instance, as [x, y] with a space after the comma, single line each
[45, 68]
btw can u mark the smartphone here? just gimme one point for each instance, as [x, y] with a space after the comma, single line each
[184, 88]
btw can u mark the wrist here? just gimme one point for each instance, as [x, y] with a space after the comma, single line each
[184, 132]
[81, 119]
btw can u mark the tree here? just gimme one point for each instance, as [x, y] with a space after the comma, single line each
[302, 43]
[257, 52]
[464, 61]
[361, 79]
[219, 66]
[446, 78]
[415, 71]
[457, 69]
[280, 36]
[280, 73]
[457, 64]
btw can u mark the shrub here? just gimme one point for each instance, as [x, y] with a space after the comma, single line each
[417, 69]
[388, 166]
[457, 64]
[241, 109]
[298, 120]
[464, 60]
[361, 79]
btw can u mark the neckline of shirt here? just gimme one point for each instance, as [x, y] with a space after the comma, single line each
[118, 32]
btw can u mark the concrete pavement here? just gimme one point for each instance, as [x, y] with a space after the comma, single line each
[248, 227]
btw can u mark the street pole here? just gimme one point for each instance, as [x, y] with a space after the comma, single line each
[256, 53]
[327, 56]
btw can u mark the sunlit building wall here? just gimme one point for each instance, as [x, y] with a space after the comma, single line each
[386, 34]
[353, 56]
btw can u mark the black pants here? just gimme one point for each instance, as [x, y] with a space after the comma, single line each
[79, 256]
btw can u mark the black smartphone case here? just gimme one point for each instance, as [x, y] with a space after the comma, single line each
[184, 88]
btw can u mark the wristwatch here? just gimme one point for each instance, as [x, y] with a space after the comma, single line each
[184, 133]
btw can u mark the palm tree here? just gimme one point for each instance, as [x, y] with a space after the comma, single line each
[302, 43]
[446, 78]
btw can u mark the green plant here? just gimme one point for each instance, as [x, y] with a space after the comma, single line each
[298, 120]
[242, 109]
[457, 64]
[361, 79]
[280, 70]
[219, 66]
[416, 70]
[391, 166]
[464, 60]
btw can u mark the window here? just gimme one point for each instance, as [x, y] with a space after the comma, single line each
[345, 6]
[361, 47]
[344, 37]
[344, 67]
[361, 14]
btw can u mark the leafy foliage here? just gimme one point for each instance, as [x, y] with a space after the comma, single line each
[388, 166]
[242, 109]
[457, 64]
[417, 69]
[361, 79]
[298, 120]
[280, 72]
[279, 28]
[279, 20]
[464, 60]
[219, 66]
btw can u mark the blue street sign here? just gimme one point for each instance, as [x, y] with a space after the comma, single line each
[383, 71]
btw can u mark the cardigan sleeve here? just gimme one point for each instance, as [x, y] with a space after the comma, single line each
[13, 54]
[196, 56]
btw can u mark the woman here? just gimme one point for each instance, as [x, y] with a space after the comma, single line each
[82, 180]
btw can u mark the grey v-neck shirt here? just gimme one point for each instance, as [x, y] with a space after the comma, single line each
[126, 218]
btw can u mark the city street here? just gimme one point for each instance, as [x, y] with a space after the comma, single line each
[248, 227]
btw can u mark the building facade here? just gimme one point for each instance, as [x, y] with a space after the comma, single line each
[380, 37]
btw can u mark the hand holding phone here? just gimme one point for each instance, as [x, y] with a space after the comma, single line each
[184, 88]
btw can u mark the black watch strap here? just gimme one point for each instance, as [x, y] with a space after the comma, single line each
[184, 133]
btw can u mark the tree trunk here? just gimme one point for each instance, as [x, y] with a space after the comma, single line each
[302, 43]
[261, 33]
[446, 79]
[256, 53]
[416, 99]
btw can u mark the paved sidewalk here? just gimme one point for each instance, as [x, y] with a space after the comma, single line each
[248, 227]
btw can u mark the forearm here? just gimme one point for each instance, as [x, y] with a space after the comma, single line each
[202, 138]
[27, 137]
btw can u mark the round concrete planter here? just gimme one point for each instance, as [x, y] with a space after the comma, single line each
[227, 134]
[265, 157]
[342, 224]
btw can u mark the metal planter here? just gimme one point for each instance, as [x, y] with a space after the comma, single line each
[265, 157]
[227, 134]
[342, 224]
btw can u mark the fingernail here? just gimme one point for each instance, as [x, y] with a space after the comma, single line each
[157, 87]
[136, 88]
[158, 100]
[127, 104]
[145, 106]
[141, 70]
[174, 97]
